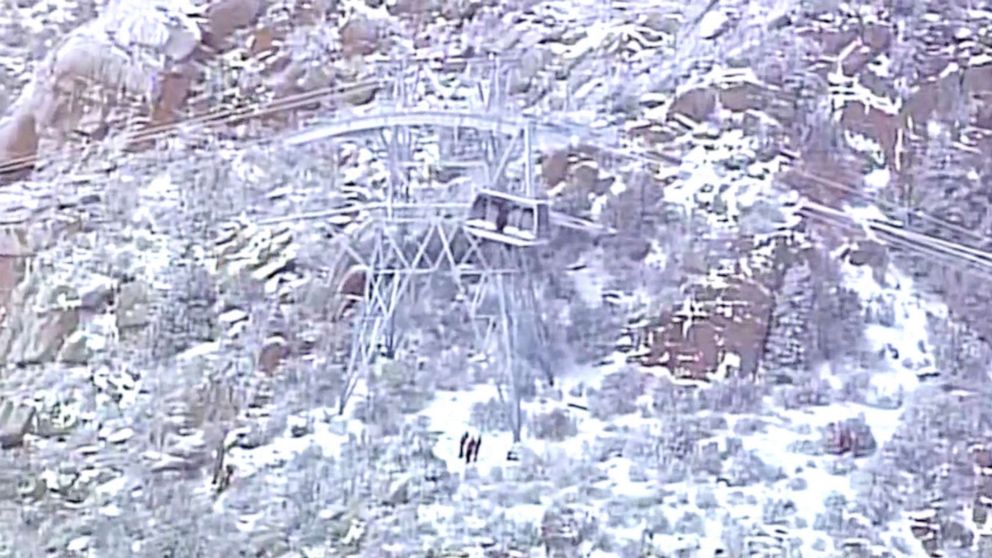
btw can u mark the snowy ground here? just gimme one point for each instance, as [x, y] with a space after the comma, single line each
[704, 177]
[451, 411]
[450, 415]
[719, 176]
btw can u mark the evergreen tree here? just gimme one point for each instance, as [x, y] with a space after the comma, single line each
[837, 317]
[786, 349]
[187, 315]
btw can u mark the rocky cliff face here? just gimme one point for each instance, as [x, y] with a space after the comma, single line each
[170, 354]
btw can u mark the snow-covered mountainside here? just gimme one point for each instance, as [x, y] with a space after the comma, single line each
[757, 328]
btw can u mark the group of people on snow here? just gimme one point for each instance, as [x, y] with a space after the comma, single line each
[468, 449]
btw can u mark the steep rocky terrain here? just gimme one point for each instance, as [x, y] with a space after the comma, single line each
[780, 351]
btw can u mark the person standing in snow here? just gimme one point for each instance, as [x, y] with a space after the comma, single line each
[461, 446]
[478, 443]
[469, 450]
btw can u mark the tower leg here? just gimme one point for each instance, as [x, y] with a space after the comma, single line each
[363, 349]
[382, 295]
[519, 320]
[512, 370]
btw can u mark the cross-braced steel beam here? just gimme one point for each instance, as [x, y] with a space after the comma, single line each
[412, 242]
[397, 268]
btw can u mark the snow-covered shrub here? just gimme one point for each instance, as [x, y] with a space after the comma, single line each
[656, 521]
[734, 445]
[812, 391]
[453, 369]
[591, 331]
[877, 503]
[567, 472]
[855, 387]
[671, 469]
[852, 435]
[745, 426]
[564, 528]
[734, 396]
[639, 446]
[732, 536]
[671, 399]
[404, 386]
[786, 354]
[713, 422]
[607, 447]
[706, 499]
[708, 459]
[958, 351]
[490, 416]
[777, 511]
[746, 468]
[690, 523]
[984, 546]
[881, 311]
[831, 519]
[383, 412]
[837, 320]
[556, 425]
[617, 395]
[618, 513]
[186, 317]
[638, 473]
[605, 542]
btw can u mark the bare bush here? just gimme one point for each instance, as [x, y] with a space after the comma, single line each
[556, 425]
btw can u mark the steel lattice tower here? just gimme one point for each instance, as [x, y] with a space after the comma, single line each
[441, 243]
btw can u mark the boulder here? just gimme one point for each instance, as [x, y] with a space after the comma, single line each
[878, 36]
[132, 306]
[856, 61]
[160, 462]
[76, 349]
[15, 423]
[868, 252]
[359, 36]
[120, 436]
[300, 427]
[190, 448]
[96, 293]
[224, 17]
[554, 167]
[18, 143]
[398, 492]
[85, 59]
[57, 423]
[359, 95]
[32, 489]
[37, 337]
[173, 89]
[696, 104]
[585, 176]
[14, 242]
[978, 79]
[273, 352]
[254, 437]
[743, 97]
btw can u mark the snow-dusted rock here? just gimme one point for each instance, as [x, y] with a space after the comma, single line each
[37, 335]
[96, 292]
[133, 305]
[15, 422]
[851, 435]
